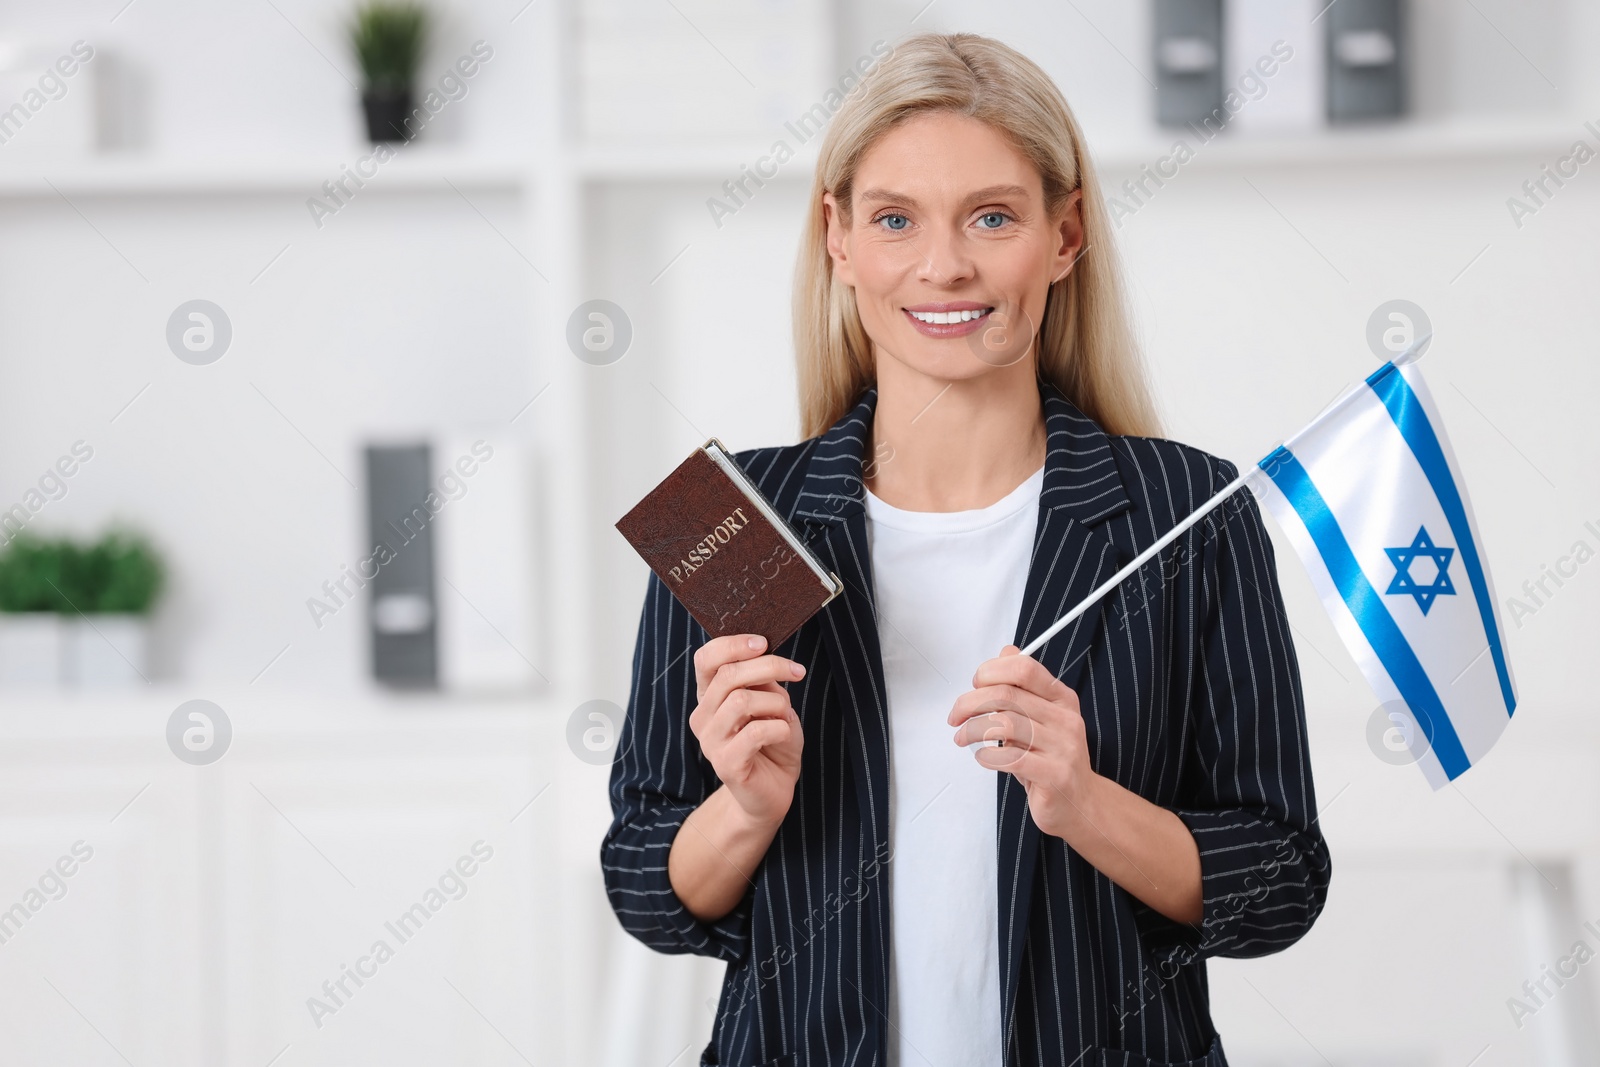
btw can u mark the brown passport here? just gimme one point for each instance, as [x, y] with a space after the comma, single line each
[724, 551]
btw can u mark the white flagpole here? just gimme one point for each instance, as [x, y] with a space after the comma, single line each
[1411, 354]
[1138, 561]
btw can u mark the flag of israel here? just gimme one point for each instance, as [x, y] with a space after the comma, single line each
[1371, 497]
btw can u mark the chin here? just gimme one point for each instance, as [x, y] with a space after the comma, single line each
[945, 361]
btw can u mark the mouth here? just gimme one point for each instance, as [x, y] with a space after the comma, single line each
[947, 320]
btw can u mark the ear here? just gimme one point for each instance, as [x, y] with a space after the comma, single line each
[838, 240]
[1071, 232]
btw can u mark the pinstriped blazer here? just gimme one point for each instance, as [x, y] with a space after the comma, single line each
[1191, 696]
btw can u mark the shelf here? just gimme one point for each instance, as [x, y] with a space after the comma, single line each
[1423, 142]
[48, 713]
[117, 174]
[1513, 136]
[433, 168]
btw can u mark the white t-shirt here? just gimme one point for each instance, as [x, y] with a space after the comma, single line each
[948, 587]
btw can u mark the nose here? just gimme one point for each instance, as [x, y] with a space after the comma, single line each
[946, 257]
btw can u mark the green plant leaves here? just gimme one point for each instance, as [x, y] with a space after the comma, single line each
[31, 573]
[389, 37]
[120, 572]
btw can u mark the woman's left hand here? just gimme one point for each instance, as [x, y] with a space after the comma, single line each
[1017, 701]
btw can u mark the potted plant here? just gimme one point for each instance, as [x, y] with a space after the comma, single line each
[31, 634]
[76, 614]
[118, 578]
[388, 37]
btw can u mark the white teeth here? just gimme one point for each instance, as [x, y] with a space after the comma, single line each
[947, 317]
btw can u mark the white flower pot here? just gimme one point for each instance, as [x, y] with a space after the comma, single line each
[106, 650]
[32, 646]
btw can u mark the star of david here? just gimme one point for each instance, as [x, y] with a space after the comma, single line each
[1421, 546]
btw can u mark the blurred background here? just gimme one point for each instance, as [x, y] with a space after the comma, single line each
[250, 352]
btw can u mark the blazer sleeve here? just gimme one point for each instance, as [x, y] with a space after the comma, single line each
[1248, 800]
[658, 776]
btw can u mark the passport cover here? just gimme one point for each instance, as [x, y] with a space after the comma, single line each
[718, 544]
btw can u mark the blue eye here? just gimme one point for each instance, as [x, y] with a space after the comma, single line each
[993, 220]
[892, 220]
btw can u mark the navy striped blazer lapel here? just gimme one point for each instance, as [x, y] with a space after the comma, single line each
[831, 512]
[831, 508]
[1070, 558]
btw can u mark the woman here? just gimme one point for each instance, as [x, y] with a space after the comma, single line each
[1050, 898]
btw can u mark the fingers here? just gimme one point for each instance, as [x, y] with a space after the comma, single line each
[1024, 672]
[742, 706]
[1024, 765]
[997, 725]
[1007, 697]
[720, 650]
[761, 672]
[1003, 738]
[749, 742]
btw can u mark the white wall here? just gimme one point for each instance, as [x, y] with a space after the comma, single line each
[426, 308]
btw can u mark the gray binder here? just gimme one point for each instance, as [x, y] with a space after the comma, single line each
[402, 610]
[1366, 60]
[1188, 60]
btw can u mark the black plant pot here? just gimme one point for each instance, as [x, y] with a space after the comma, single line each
[386, 111]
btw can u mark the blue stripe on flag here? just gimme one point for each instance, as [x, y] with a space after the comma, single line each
[1379, 627]
[1412, 420]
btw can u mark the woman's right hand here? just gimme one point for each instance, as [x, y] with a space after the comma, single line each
[745, 724]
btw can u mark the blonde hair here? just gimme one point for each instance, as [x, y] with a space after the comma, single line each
[1085, 345]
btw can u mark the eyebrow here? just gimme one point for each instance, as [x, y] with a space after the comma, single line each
[992, 192]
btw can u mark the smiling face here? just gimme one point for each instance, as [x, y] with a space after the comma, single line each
[949, 248]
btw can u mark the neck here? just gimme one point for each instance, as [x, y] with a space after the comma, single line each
[953, 445]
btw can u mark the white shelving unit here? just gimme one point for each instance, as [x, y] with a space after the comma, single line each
[433, 168]
[133, 174]
[196, 865]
